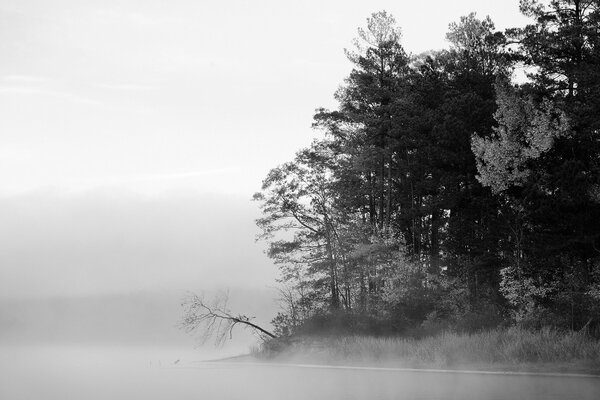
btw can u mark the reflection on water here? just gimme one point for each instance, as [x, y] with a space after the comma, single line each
[58, 373]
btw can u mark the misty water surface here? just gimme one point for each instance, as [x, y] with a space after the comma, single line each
[116, 373]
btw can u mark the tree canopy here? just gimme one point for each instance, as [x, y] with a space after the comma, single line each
[442, 191]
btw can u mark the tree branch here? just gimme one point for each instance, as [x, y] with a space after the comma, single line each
[214, 319]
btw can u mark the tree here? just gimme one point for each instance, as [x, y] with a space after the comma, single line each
[362, 122]
[478, 45]
[364, 180]
[214, 320]
[543, 158]
[562, 168]
[447, 217]
[562, 45]
[399, 168]
[525, 132]
[298, 197]
[438, 178]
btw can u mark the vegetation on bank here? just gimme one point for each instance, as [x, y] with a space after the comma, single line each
[443, 191]
[514, 349]
[444, 195]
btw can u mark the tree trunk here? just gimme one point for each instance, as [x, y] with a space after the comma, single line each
[388, 215]
[434, 251]
[381, 189]
[371, 200]
[335, 299]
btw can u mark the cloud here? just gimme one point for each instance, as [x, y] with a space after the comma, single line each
[15, 154]
[42, 86]
[170, 176]
[24, 78]
[114, 15]
[38, 91]
[154, 183]
[124, 86]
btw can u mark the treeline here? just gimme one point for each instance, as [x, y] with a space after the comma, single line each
[444, 192]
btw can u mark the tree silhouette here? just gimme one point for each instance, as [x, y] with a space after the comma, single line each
[214, 320]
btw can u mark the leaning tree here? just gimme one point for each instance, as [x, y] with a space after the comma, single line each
[213, 319]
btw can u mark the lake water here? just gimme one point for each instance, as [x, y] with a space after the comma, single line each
[119, 373]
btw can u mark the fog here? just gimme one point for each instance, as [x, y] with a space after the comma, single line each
[97, 242]
[132, 137]
[136, 319]
[91, 281]
[114, 373]
[91, 287]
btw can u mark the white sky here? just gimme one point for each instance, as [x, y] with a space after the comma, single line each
[105, 102]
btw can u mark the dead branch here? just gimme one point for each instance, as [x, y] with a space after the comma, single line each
[214, 320]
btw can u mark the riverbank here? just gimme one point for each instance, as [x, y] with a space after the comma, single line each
[513, 349]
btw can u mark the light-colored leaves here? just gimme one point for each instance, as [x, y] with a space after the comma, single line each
[525, 132]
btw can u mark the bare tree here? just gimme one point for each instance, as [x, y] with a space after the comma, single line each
[214, 320]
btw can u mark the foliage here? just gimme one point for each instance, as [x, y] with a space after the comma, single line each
[525, 132]
[442, 195]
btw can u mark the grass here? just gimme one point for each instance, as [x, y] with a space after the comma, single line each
[505, 349]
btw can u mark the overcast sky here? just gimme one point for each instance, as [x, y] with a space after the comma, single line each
[133, 133]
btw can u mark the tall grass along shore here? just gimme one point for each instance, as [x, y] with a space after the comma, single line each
[502, 349]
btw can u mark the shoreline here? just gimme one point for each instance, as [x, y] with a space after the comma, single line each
[529, 369]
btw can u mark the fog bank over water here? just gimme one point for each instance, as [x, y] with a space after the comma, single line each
[136, 319]
[99, 242]
[98, 373]
[99, 267]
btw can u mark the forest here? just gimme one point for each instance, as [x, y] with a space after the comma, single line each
[450, 190]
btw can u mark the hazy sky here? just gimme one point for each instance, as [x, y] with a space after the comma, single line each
[133, 133]
[201, 95]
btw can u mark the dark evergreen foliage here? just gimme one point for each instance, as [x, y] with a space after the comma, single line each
[442, 193]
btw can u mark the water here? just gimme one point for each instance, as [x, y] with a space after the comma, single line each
[119, 373]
